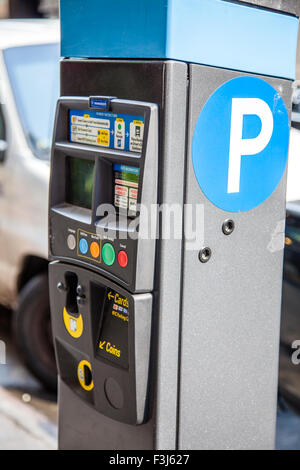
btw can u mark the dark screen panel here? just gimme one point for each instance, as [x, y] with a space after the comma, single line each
[80, 180]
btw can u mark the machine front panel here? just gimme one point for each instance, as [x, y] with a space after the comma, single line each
[102, 341]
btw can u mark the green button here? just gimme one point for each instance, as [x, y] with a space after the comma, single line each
[108, 254]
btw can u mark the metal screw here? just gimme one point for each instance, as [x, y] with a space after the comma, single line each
[60, 286]
[80, 289]
[80, 299]
[228, 227]
[204, 254]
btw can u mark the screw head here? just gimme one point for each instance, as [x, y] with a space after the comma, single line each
[80, 299]
[61, 287]
[80, 289]
[228, 227]
[204, 254]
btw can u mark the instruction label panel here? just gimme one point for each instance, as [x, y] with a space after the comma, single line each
[107, 130]
[126, 181]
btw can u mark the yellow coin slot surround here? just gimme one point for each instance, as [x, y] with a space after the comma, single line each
[73, 325]
[81, 374]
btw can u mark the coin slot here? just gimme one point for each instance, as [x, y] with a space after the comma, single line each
[71, 283]
[87, 375]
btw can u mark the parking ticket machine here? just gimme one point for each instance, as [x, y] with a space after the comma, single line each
[169, 340]
[104, 165]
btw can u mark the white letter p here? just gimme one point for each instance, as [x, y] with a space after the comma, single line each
[240, 146]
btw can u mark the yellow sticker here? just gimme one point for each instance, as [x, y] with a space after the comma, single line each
[103, 137]
[84, 375]
[74, 325]
[86, 116]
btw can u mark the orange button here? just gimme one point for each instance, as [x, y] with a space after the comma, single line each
[95, 249]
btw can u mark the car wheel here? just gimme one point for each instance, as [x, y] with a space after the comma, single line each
[32, 329]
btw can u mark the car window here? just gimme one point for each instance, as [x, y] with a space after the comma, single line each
[34, 76]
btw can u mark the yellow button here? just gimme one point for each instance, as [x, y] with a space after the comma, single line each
[95, 250]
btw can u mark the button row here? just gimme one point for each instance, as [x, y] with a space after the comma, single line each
[108, 252]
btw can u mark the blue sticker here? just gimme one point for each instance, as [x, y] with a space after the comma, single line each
[240, 144]
[101, 103]
[126, 169]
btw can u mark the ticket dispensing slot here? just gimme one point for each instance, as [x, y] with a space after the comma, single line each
[104, 165]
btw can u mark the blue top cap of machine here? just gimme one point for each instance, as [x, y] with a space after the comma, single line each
[221, 33]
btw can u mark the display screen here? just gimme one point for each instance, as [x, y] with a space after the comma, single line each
[113, 339]
[110, 130]
[80, 179]
[126, 183]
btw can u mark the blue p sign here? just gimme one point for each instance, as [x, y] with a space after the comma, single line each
[240, 144]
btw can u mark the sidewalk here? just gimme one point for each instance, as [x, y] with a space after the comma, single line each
[28, 413]
[22, 427]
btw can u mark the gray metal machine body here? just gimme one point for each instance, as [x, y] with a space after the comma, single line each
[212, 364]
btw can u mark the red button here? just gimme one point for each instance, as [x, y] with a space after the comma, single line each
[123, 259]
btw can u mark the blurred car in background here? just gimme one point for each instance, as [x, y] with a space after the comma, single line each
[289, 373]
[29, 87]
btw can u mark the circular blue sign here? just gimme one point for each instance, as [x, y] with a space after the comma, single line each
[240, 144]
